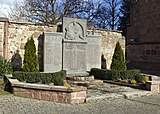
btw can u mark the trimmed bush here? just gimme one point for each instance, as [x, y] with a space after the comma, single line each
[16, 62]
[45, 78]
[116, 74]
[101, 73]
[5, 66]
[118, 61]
[30, 63]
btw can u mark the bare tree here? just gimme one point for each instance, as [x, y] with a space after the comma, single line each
[101, 13]
[113, 12]
[48, 11]
[106, 14]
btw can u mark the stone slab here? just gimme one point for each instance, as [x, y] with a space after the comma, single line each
[74, 57]
[93, 52]
[52, 52]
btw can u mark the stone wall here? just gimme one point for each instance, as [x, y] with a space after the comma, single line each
[20, 32]
[17, 33]
[61, 95]
[1, 37]
[143, 40]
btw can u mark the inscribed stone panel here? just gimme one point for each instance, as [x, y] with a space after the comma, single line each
[52, 52]
[74, 57]
[93, 52]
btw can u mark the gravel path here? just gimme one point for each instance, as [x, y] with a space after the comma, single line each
[10, 104]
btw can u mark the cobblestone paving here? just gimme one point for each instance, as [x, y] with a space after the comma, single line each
[10, 104]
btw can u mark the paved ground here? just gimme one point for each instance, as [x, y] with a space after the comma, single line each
[106, 91]
[10, 104]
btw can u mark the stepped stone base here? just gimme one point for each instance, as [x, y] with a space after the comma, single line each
[77, 74]
[85, 83]
[81, 78]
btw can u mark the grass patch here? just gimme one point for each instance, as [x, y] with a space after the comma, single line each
[2, 92]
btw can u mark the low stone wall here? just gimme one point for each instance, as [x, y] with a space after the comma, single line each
[153, 86]
[60, 94]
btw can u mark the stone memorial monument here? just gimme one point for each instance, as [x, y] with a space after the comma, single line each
[72, 50]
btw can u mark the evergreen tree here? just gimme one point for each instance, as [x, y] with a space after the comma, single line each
[16, 62]
[124, 19]
[118, 61]
[30, 63]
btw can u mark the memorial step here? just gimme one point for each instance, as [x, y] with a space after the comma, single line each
[80, 78]
[85, 83]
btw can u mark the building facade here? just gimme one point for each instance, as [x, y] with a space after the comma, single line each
[143, 40]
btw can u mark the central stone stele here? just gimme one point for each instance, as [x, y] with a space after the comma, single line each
[73, 50]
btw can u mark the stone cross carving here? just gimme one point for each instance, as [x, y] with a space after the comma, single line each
[74, 31]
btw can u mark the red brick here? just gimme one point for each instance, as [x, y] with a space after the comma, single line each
[1, 40]
[32, 28]
[81, 94]
[81, 100]
[36, 95]
[1, 49]
[28, 94]
[36, 34]
[74, 101]
[45, 96]
[54, 97]
[22, 45]
[40, 29]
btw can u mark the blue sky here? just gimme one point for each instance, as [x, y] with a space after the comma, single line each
[5, 6]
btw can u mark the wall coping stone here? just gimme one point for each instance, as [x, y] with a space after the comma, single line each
[153, 82]
[74, 41]
[30, 23]
[118, 31]
[47, 87]
[51, 33]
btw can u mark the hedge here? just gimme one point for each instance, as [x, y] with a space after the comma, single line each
[105, 74]
[45, 78]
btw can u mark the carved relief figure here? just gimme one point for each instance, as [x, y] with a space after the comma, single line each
[74, 32]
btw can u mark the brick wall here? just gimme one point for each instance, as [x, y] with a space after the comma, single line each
[144, 25]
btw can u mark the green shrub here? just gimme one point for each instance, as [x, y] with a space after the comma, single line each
[118, 61]
[30, 63]
[58, 79]
[16, 62]
[46, 78]
[101, 73]
[5, 66]
[116, 74]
